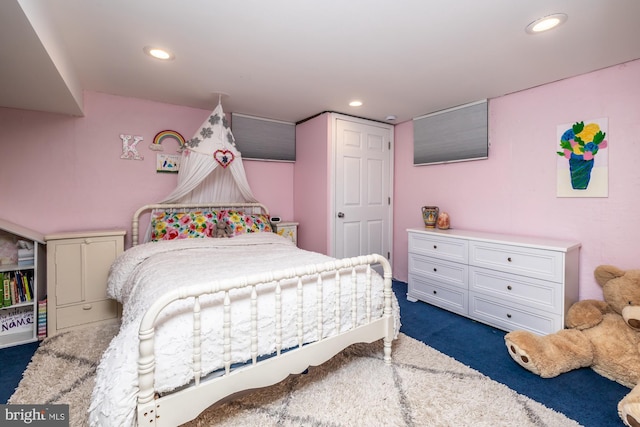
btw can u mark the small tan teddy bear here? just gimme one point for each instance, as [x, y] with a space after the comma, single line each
[603, 335]
[223, 230]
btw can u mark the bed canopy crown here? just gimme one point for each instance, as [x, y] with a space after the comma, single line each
[211, 167]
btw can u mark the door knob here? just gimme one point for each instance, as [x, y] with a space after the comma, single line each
[340, 214]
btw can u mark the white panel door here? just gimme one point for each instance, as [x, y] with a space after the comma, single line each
[362, 189]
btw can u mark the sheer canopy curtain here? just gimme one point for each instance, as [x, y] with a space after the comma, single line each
[211, 167]
[204, 181]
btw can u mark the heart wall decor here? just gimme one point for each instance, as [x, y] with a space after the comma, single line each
[224, 157]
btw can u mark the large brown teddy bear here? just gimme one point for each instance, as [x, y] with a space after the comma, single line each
[603, 335]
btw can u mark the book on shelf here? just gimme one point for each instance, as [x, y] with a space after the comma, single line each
[17, 287]
[27, 290]
[20, 295]
[15, 298]
[42, 319]
[6, 290]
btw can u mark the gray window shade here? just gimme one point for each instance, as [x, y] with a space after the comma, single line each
[452, 135]
[264, 139]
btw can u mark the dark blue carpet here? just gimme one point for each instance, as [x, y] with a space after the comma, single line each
[581, 395]
[13, 361]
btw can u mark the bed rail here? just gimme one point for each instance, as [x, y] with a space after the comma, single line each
[153, 410]
[256, 208]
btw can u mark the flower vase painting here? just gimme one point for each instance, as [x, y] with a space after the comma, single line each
[583, 164]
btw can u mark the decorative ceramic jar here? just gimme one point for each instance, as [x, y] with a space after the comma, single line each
[443, 221]
[430, 216]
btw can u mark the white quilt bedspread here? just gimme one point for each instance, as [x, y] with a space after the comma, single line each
[144, 272]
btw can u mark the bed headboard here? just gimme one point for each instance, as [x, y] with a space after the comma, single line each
[252, 208]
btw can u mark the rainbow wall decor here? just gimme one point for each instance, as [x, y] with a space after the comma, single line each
[163, 135]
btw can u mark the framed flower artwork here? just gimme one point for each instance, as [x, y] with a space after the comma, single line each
[583, 159]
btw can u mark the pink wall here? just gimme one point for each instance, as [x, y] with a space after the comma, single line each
[61, 173]
[514, 191]
[311, 183]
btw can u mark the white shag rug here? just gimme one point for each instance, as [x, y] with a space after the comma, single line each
[423, 387]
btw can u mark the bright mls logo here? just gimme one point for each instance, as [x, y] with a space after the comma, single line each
[35, 415]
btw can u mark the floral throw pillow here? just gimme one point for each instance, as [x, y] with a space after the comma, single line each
[241, 222]
[183, 225]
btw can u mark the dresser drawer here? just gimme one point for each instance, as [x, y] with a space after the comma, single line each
[80, 314]
[530, 262]
[450, 298]
[446, 272]
[448, 248]
[510, 317]
[534, 293]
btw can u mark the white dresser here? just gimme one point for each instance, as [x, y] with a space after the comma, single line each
[509, 282]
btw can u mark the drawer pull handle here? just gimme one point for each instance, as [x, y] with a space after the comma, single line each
[435, 246]
[509, 259]
[509, 287]
[87, 307]
[435, 292]
[435, 269]
[509, 315]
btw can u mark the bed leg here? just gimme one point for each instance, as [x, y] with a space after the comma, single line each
[388, 312]
[387, 351]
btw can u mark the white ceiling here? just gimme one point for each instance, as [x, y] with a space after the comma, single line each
[292, 59]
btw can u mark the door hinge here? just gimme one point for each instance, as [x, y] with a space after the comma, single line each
[389, 200]
[389, 145]
[388, 255]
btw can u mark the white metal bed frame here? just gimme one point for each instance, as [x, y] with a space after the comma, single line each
[182, 406]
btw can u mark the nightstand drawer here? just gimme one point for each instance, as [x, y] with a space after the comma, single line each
[447, 272]
[530, 262]
[450, 249]
[81, 314]
[534, 293]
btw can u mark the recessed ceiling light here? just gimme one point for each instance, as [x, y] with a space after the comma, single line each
[158, 53]
[546, 23]
[355, 104]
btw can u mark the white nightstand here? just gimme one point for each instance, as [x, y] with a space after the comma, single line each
[289, 230]
[77, 268]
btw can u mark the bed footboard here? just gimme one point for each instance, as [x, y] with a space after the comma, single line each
[184, 405]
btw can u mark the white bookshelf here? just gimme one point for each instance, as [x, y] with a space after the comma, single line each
[15, 328]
